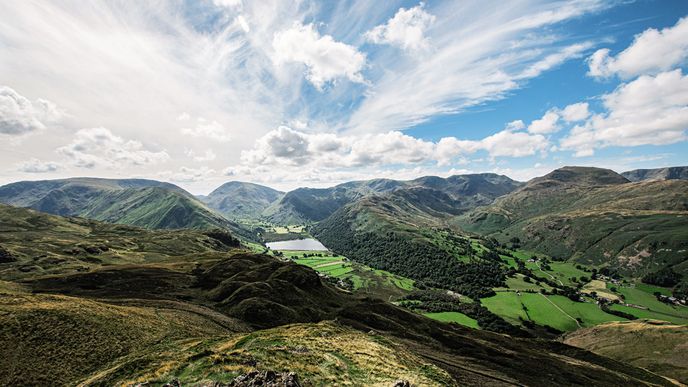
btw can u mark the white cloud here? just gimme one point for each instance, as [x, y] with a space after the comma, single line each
[545, 125]
[209, 155]
[325, 58]
[212, 130]
[515, 125]
[18, 115]
[227, 3]
[99, 147]
[479, 55]
[553, 60]
[406, 29]
[576, 112]
[651, 52]
[35, 165]
[287, 147]
[189, 175]
[650, 110]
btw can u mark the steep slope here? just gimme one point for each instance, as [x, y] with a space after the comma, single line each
[145, 203]
[654, 345]
[593, 216]
[409, 231]
[68, 196]
[669, 173]
[239, 200]
[152, 315]
[313, 205]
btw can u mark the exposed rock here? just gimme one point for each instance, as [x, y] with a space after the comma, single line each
[6, 256]
[267, 379]
[402, 383]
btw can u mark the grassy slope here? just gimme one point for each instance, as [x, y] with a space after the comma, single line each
[145, 203]
[657, 346]
[222, 285]
[239, 200]
[593, 216]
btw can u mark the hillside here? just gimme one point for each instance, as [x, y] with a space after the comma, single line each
[313, 205]
[669, 173]
[153, 306]
[144, 203]
[408, 231]
[654, 345]
[593, 216]
[239, 200]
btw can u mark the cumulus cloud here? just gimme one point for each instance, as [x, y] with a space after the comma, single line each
[19, 115]
[189, 175]
[576, 112]
[405, 30]
[100, 147]
[209, 155]
[35, 165]
[287, 147]
[547, 124]
[652, 51]
[212, 130]
[650, 110]
[325, 58]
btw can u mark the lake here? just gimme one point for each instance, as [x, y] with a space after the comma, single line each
[297, 244]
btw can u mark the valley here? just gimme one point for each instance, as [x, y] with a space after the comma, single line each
[428, 266]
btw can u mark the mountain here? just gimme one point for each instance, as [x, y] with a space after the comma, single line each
[145, 203]
[669, 173]
[653, 345]
[410, 231]
[68, 196]
[92, 303]
[593, 216]
[313, 205]
[239, 200]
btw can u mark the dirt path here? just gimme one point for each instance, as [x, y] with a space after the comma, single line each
[328, 264]
[562, 311]
[551, 276]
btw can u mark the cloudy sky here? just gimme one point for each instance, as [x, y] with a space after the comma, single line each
[313, 93]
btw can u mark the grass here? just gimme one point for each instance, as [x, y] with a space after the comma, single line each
[638, 296]
[658, 347]
[321, 354]
[538, 309]
[454, 317]
[518, 283]
[372, 282]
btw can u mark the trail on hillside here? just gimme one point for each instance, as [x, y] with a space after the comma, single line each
[562, 310]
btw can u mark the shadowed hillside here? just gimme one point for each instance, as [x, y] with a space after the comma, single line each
[145, 203]
[669, 173]
[238, 200]
[310, 204]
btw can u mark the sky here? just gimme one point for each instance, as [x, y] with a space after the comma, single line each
[314, 93]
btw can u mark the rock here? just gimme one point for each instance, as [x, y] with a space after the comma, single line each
[6, 256]
[401, 383]
[173, 383]
[266, 379]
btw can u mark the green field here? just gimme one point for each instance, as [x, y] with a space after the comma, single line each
[539, 309]
[518, 283]
[373, 282]
[454, 317]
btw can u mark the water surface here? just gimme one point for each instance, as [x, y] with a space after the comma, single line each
[297, 244]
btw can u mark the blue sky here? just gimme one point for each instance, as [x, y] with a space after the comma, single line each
[311, 93]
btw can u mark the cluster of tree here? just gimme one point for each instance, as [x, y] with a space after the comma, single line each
[434, 300]
[680, 291]
[417, 259]
[665, 277]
